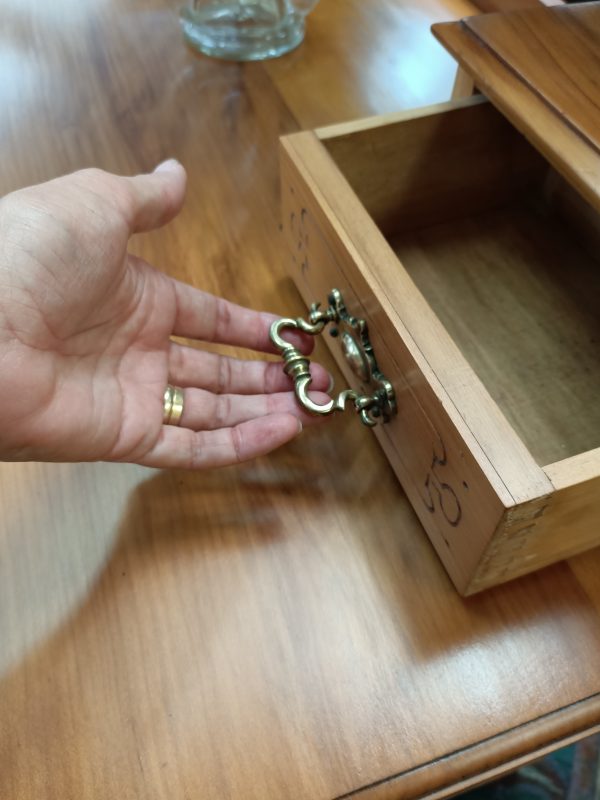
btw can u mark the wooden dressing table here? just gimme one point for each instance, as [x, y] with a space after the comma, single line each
[260, 632]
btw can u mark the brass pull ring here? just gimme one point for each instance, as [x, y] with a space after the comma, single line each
[379, 407]
[297, 366]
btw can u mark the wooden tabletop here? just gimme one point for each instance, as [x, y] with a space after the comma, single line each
[280, 629]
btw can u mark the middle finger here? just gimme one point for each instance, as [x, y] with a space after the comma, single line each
[189, 366]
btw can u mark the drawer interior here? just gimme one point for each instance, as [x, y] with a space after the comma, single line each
[503, 250]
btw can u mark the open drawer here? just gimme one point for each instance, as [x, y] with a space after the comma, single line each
[473, 264]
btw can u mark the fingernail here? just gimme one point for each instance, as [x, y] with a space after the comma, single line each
[331, 384]
[169, 165]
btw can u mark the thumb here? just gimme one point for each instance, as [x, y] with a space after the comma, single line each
[157, 197]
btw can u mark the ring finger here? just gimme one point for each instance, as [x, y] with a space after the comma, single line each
[204, 410]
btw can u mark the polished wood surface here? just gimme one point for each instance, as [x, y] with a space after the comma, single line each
[539, 66]
[556, 52]
[390, 60]
[512, 5]
[281, 629]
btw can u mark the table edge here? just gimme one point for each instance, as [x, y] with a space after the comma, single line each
[489, 758]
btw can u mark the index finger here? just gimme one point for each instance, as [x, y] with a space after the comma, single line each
[203, 316]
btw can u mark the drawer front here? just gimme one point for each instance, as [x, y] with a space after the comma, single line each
[456, 501]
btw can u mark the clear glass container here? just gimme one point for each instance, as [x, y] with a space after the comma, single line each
[245, 30]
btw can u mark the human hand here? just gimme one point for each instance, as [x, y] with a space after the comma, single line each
[85, 327]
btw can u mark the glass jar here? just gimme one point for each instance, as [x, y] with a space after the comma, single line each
[245, 30]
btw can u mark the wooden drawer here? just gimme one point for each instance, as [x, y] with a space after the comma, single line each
[473, 263]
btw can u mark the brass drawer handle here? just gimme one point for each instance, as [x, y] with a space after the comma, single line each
[380, 406]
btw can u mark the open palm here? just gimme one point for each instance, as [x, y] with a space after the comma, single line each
[85, 327]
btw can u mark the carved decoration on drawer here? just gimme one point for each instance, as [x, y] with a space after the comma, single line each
[439, 496]
[298, 225]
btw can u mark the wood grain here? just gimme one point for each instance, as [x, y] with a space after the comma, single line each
[555, 52]
[508, 755]
[512, 5]
[538, 65]
[282, 629]
[440, 163]
[392, 40]
[520, 297]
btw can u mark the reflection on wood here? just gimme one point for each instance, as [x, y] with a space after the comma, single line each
[280, 629]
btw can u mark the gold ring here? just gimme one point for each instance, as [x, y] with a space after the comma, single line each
[172, 405]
